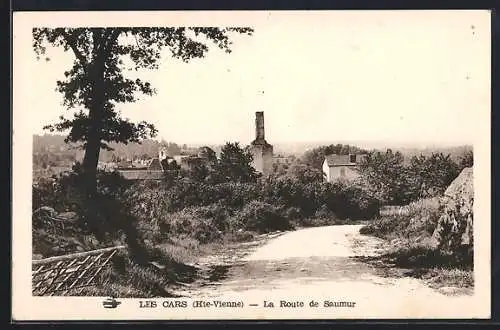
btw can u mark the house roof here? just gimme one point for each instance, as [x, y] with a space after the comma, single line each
[343, 160]
[155, 165]
[179, 158]
[141, 174]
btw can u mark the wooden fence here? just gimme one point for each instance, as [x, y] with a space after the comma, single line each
[56, 276]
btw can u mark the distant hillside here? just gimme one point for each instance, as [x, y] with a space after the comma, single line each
[455, 152]
[60, 153]
[55, 145]
[298, 149]
[51, 150]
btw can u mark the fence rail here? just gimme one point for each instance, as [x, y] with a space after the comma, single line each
[72, 272]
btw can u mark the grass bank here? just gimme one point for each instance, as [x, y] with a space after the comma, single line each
[412, 247]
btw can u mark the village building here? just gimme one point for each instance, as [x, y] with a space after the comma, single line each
[189, 158]
[342, 167]
[262, 152]
[153, 169]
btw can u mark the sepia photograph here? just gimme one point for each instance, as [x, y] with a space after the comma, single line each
[251, 165]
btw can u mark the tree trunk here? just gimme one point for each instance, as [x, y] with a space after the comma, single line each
[96, 105]
[93, 147]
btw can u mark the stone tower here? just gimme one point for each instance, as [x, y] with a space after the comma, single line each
[261, 151]
[162, 154]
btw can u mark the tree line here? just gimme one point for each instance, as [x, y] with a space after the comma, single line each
[396, 182]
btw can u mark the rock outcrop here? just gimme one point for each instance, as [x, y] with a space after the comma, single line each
[455, 226]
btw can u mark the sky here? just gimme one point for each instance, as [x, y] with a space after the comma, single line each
[403, 78]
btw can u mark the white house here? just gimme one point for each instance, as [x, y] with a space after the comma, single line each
[342, 167]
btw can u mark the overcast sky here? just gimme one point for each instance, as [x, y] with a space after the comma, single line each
[399, 78]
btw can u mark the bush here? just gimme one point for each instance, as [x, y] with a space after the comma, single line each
[455, 230]
[349, 200]
[411, 231]
[399, 181]
[345, 200]
[292, 213]
[129, 280]
[106, 216]
[153, 197]
[414, 221]
[190, 222]
[199, 210]
[318, 221]
[324, 212]
[262, 217]
[425, 255]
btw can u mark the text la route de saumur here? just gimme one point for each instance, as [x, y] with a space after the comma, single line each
[241, 304]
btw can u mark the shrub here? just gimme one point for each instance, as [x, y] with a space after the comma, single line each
[127, 279]
[455, 229]
[411, 231]
[318, 221]
[292, 213]
[416, 220]
[150, 232]
[192, 223]
[106, 216]
[439, 276]
[324, 212]
[262, 217]
[425, 255]
[233, 195]
[345, 200]
[218, 213]
[239, 236]
[158, 198]
[349, 200]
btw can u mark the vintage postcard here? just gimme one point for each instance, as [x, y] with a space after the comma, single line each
[251, 165]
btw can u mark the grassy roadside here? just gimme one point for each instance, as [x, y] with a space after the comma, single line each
[411, 250]
[177, 263]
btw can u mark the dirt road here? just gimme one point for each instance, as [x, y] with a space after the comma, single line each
[321, 264]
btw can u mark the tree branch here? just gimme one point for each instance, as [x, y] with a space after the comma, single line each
[71, 40]
[112, 38]
[137, 42]
[97, 42]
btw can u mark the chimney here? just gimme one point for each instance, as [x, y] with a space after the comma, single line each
[259, 126]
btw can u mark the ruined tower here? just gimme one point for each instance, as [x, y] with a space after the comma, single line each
[261, 151]
[162, 153]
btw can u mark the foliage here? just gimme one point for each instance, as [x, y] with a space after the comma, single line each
[305, 174]
[395, 182]
[108, 220]
[422, 255]
[345, 200]
[262, 217]
[410, 230]
[201, 223]
[430, 176]
[455, 224]
[386, 176]
[467, 160]
[416, 220]
[235, 164]
[316, 156]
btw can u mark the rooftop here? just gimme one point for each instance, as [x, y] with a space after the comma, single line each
[141, 174]
[344, 160]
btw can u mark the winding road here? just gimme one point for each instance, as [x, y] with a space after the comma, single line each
[322, 264]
